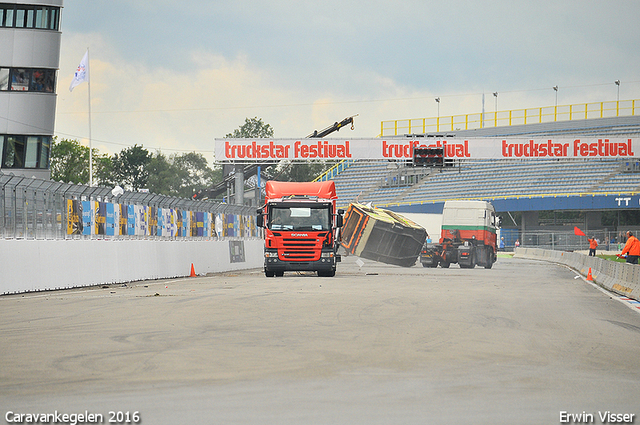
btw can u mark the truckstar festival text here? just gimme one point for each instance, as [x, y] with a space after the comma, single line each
[255, 150]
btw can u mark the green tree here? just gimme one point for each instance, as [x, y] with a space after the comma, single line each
[70, 162]
[163, 176]
[252, 128]
[130, 168]
[195, 173]
[181, 175]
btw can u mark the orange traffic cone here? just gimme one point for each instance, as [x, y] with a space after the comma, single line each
[193, 271]
[589, 277]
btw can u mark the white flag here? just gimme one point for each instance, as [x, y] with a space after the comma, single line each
[82, 73]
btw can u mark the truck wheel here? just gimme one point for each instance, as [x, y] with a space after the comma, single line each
[269, 273]
[490, 259]
[445, 264]
[279, 274]
[330, 273]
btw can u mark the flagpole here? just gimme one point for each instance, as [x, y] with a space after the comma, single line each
[90, 144]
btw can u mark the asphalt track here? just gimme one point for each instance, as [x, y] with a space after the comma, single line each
[518, 344]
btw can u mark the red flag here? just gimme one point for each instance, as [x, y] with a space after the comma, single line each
[578, 232]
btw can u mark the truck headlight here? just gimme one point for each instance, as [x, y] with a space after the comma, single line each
[272, 254]
[327, 254]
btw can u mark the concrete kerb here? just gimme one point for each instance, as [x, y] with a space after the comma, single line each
[621, 278]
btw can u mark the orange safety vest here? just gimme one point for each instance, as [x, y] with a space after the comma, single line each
[593, 244]
[632, 247]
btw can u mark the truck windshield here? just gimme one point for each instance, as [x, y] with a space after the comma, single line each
[299, 218]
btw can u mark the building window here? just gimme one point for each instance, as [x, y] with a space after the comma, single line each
[42, 80]
[4, 79]
[28, 79]
[13, 152]
[45, 152]
[23, 16]
[25, 151]
[31, 153]
[20, 78]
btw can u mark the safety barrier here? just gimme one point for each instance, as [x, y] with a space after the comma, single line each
[56, 235]
[41, 265]
[621, 278]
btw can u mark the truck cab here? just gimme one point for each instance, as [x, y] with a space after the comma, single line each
[300, 224]
[467, 237]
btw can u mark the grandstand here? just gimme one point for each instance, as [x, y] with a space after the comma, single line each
[513, 185]
[485, 179]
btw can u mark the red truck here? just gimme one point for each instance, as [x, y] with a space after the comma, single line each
[301, 225]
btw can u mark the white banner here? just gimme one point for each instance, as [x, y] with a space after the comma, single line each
[257, 150]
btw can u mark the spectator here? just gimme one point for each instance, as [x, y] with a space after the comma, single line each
[517, 244]
[501, 245]
[631, 249]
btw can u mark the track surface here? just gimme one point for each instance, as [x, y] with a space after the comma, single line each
[518, 344]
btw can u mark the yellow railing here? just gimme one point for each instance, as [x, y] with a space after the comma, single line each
[579, 111]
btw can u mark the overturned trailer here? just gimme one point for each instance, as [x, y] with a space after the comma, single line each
[382, 235]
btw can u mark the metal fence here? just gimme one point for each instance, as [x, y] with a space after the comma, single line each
[562, 240]
[580, 111]
[32, 208]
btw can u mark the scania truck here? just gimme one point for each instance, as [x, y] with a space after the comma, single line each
[301, 225]
[467, 236]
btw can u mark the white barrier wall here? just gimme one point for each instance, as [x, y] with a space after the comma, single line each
[35, 265]
[621, 278]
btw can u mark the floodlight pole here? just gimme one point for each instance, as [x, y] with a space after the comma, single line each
[90, 142]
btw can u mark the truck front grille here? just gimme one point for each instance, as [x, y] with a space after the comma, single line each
[300, 249]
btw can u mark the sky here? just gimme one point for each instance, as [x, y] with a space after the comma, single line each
[173, 76]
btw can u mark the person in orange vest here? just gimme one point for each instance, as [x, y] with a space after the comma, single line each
[631, 248]
[593, 244]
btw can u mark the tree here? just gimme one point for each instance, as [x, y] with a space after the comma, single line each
[195, 173]
[180, 175]
[130, 168]
[163, 176]
[70, 162]
[252, 128]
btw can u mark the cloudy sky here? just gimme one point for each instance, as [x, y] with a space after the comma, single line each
[174, 75]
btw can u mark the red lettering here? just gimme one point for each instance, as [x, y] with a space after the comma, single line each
[543, 151]
[385, 151]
